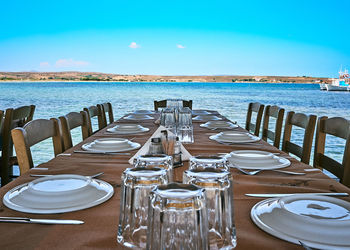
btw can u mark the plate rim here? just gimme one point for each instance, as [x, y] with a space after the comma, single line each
[254, 139]
[13, 206]
[282, 235]
[137, 146]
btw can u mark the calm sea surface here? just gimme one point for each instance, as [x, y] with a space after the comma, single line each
[53, 99]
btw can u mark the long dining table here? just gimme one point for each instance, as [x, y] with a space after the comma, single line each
[99, 230]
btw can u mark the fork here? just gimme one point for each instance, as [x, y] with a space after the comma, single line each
[259, 170]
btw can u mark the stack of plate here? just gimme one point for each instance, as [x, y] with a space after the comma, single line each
[127, 129]
[219, 125]
[256, 159]
[108, 145]
[318, 221]
[206, 118]
[58, 194]
[138, 117]
[143, 112]
[234, 137]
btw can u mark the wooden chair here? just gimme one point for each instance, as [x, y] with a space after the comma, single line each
[32, 133]
[71, 121]
[94, 111]
[13, 118]
[275, 136]
[339, 127]
[106, 108]
[308, 124]
[257, 108]
[163, 104]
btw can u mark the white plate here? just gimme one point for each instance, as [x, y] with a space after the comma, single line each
[110, 145]
[255, 159]
[58, 194]
[127, 129]
[206, 117]
[234, 137]
[219, 124]
[251, 155]
[138, 117]
[318, 221]
[145, 112]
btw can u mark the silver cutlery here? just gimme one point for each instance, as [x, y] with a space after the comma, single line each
[45, 175]
[254, 172]
[103, 153]
[40, 221]
[282, 195]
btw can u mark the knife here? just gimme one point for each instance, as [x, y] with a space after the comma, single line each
[282, 195]
[40, 221]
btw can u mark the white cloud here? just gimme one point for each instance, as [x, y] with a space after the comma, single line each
[134, 45]
[44, 64]
[179, 46]
[64, 63]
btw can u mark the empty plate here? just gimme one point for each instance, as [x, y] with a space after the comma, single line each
[144, 112]
[234, 137]
[318, 221]
[219, 124]
[255, 159]
[58, 194]
[127, 129]
[200, 112]
[111, 145]
[138, 117]
[206, 118]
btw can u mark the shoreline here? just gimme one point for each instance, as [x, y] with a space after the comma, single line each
[233, 83]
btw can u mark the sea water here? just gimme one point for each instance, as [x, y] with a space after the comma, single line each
[54, 99]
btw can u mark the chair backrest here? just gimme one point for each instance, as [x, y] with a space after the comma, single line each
[106, 108]
[13, 118]
[187, 103]
[275, 136]
[257, 108]
[308, 124]
[1, 119]
[339, 127]
[159, 104]
[71, 121]
[32, 133]
[163, 104]
[94, 111]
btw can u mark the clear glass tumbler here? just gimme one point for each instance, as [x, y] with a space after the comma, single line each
[209, 161]
[219, 190]
[136, 186]
[168, 119]
[156, 161]
[177, 218]
[174, 103]
[184, 126]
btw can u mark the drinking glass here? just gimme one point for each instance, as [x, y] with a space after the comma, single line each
[184, 126]
[174, 103]
[177, 218]
[136, 186]
[156, 161]
[219, 191]
[168, 119]
[209, 161]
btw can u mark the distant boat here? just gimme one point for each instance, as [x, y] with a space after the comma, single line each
[338, 84]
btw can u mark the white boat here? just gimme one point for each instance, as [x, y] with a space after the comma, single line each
[338, 84]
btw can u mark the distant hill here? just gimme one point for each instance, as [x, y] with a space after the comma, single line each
[93, 76]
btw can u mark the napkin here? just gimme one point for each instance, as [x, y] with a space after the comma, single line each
[144, 150]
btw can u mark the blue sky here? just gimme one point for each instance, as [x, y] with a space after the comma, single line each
[256, 37]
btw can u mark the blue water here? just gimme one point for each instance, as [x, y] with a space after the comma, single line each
[53, 99]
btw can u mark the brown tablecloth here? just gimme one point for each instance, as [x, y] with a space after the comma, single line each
[101, 222]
